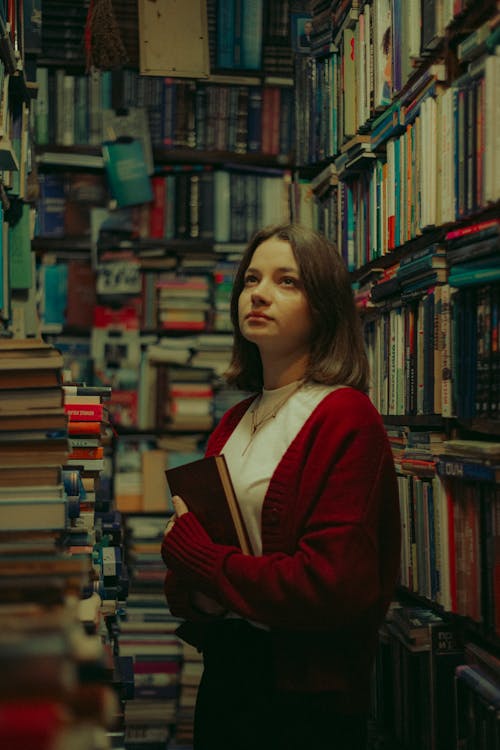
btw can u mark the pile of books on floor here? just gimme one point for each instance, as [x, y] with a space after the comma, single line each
[148, 639]
[192, 667]
[55, 653]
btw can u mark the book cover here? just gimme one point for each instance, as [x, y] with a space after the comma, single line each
[127, 171]
[206, 488]
[131, 123]
[85, 412]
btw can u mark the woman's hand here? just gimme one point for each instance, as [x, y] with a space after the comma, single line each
[202, 603]
[180, 508]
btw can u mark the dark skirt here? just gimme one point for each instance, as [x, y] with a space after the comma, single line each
[238, 707]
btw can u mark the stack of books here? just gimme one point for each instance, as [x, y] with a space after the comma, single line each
[33, 442]
[477, 695]
[54, 650]
[183, 398]
[192, 668]
[55, 690]
[147, 634]
[473, 253]
[87, 424]
[184, 302]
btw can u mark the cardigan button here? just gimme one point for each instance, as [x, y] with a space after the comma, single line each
[274, 516]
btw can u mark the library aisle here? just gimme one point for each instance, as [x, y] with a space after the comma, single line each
[132, 174]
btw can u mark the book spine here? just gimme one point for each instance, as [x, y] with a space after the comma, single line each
[457, 468]
[88, 413]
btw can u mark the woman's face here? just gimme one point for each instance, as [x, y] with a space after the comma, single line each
[273, 309]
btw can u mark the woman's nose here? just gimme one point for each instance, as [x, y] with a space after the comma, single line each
[259, 294]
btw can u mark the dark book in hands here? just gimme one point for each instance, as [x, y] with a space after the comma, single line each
[205, 486]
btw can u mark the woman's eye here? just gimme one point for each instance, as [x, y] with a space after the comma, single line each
[289, 281]
[250, 279]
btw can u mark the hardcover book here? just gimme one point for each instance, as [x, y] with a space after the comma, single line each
[127, 171]
[205, 486]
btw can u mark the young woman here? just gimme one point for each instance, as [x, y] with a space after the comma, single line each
[288, 634]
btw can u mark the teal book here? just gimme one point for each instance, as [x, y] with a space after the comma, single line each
[54, 294]
[4, 270]
[127, 172]
[251, 34]
[226, 34]
[474, 276]
[20, 271]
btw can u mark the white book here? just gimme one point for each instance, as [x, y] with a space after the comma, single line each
[492, 136]
[41, 106]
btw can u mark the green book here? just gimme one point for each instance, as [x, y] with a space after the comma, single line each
[21, 269]
[127, 172]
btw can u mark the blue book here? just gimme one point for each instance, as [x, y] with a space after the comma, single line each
[51, 207]
[435, 249]
[388, 124]
[455, 467]
[72, 482]
[254, 119]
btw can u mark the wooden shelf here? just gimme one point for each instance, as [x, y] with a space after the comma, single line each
[90, 157]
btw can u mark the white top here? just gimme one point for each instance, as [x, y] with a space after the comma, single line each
[252, 460]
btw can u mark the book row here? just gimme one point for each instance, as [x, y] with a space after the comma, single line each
[433, 687]
[74, 109]
[424, 361]
[359, 69]
[441, 167]
[217, 205]
[448, 525]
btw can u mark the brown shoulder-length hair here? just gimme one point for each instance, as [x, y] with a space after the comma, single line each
[338, 355]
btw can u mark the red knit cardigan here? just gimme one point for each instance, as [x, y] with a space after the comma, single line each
[331, 550]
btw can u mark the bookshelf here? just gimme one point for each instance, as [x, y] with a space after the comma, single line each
[395, 161]
[221, 157]
[135, 298]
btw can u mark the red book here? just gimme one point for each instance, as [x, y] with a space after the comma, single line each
[11, 19]
[275, 121]
[85, 412]
[76, 427]
[87, 452]
[495, 527]
[160, 666]
[471, 229]
[451, 548]
[157, 207]
[82, 300]
[191, 391]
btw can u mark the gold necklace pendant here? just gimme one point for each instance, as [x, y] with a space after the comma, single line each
[257, 423]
